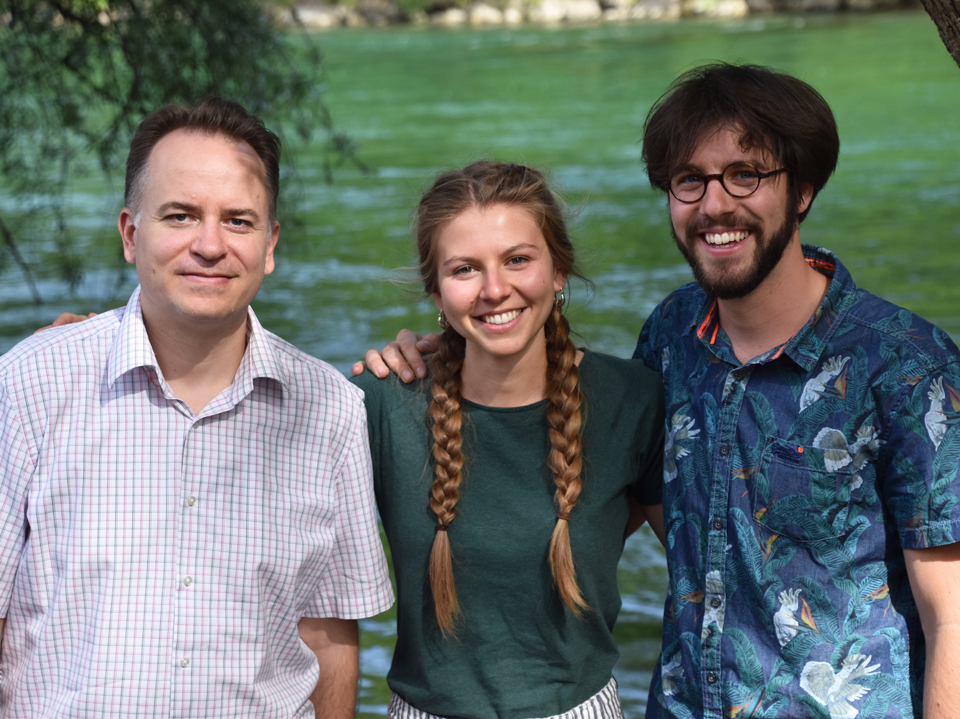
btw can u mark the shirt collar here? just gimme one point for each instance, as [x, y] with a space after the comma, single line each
[132, 349]
[808, 344]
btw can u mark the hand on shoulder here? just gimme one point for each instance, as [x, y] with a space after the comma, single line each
[66, 318]
[403, 356]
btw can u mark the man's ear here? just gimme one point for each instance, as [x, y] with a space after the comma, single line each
[271, 246]
[806, 197]
[127, 232]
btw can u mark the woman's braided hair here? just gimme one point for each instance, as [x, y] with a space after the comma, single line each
[482, 184]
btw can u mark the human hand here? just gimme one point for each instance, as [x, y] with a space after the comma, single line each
[66, 318]
[404, 356]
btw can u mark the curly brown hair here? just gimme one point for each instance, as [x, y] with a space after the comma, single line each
[482, 184]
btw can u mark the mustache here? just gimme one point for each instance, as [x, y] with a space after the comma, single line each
[704, 222]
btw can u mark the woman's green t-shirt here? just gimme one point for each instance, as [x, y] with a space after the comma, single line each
[518, 651]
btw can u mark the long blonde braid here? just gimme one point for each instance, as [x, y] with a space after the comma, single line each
[565, 458]
[445, 411]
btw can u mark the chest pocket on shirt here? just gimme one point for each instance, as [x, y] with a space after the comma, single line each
[804, 493]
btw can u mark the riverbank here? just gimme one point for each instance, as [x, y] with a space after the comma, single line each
[313, 15]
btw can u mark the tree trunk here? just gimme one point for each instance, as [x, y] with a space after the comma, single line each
[946, 14]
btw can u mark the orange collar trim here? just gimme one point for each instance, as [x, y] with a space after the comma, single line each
[701, 331]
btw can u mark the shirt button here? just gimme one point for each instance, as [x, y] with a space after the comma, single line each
[184, 662]
[717, 523]
[711, 678]
[191, 500]
[715, 602]
[724, 449]
[187, 581]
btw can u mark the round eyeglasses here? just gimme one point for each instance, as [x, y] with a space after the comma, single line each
[741, 179]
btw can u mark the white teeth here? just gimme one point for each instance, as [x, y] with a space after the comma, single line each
[502, 318]
[725, 238]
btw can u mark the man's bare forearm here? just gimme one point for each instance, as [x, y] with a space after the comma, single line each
[935, 580]
[336, 643]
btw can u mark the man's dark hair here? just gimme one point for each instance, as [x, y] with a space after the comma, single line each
[774, 112]
[213, 116]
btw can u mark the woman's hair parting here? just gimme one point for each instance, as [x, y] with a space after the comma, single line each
[481, 185]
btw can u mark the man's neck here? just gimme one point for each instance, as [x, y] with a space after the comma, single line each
[197, 363]
[779, 308]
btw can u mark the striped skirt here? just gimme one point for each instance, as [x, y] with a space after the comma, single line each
[605, 704]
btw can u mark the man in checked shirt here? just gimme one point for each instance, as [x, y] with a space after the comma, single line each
[187, 525]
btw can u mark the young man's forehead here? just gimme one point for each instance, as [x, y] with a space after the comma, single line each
[752, 148]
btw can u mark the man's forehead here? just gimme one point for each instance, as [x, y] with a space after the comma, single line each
[186, 144]
[186, 154]
[734, 141]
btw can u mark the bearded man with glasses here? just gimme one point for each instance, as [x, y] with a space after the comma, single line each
[812, 498]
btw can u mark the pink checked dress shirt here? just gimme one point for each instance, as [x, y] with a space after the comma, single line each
[154, 563]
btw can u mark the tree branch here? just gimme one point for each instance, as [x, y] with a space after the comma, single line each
[946, 15]
[11, 244]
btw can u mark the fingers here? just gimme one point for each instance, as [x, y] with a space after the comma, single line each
[374, 362]
[392, 358]
[66, 318]
[405, 356]
[429, 343]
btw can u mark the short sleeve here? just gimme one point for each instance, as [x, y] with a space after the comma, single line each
[648, 488]
[367, 383]
[357, 583]
[921, 484]
[647, 343]
[16, 469]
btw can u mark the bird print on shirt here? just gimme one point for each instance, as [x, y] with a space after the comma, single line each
[944, 410]
[831, 382]
[836, 690]
[785, 620]
[681, 428]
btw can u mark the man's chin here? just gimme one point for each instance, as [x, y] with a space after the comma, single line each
[723, 283]
[726, 288]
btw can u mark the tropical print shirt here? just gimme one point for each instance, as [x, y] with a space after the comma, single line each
[793, 482]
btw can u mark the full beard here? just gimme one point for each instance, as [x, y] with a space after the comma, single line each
[768, 252]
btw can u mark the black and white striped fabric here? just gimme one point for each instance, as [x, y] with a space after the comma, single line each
[605, 704]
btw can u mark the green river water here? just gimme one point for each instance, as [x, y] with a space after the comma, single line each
[573, 100]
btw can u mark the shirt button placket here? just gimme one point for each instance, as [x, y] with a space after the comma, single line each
[187, 559]
[712, 642]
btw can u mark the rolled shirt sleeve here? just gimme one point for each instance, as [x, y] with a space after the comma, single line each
[924, 457]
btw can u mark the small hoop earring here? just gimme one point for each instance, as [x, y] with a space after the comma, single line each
[559, 299]
[442, 320]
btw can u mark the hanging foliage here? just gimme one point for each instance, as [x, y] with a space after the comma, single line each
[77, 76]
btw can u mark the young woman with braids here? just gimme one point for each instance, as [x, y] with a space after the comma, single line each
[505, 479]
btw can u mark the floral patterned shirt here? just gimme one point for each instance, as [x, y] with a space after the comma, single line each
[793, 482]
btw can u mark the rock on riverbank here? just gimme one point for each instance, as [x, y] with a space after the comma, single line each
[315, 15]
